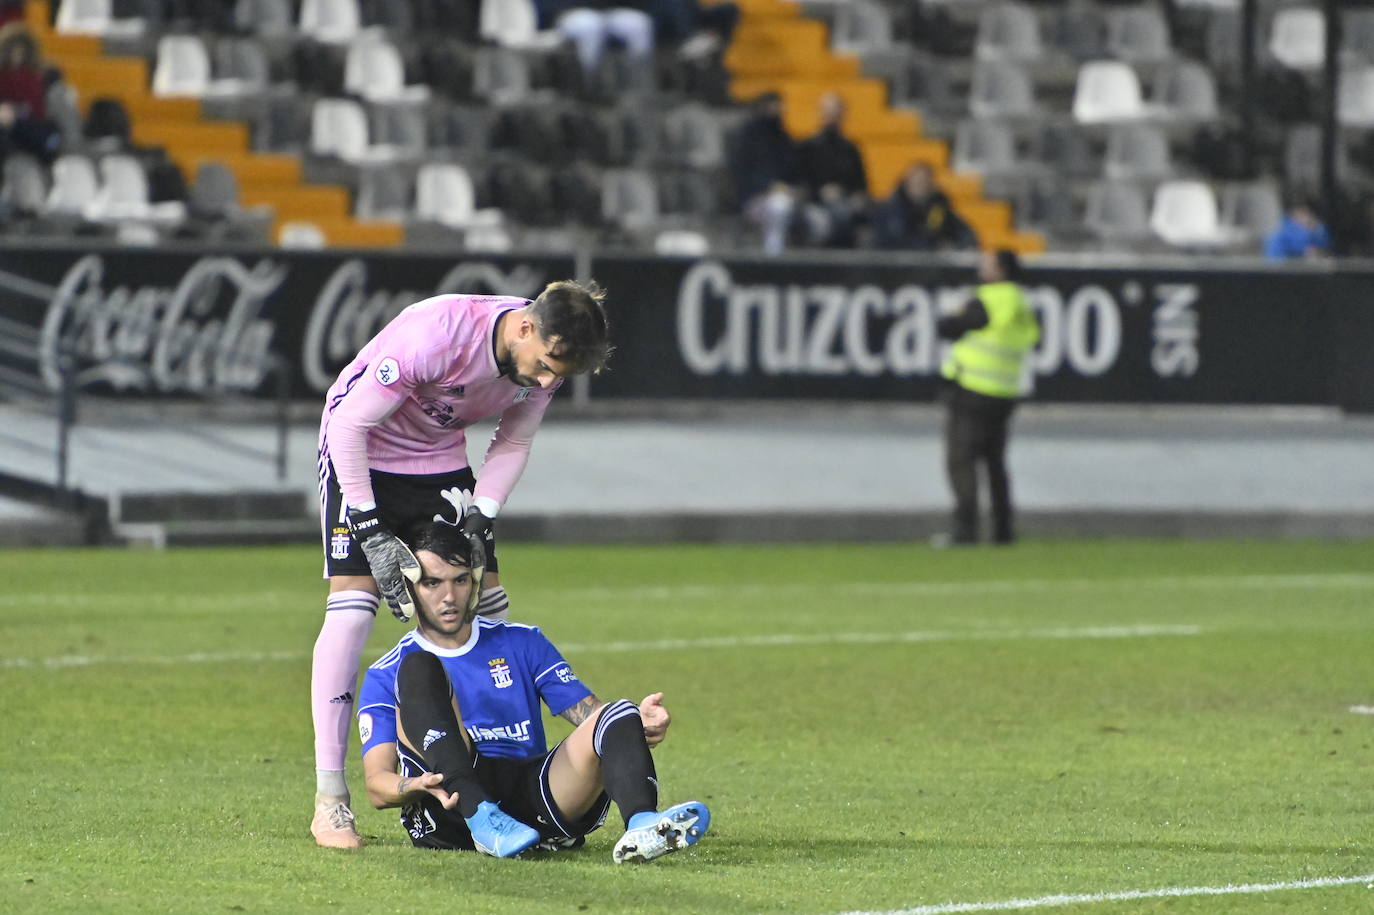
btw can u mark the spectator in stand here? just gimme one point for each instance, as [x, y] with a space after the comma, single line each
[766, 167]
[11, 11]
[697, 29]
[23, 106]
[590, 24]
[1301, 235]
[919, 217]
[834, 178]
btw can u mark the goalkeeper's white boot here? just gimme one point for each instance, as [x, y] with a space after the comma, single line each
[653, 834]
[333, 824]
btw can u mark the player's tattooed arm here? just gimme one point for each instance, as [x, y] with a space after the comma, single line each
[582, 710]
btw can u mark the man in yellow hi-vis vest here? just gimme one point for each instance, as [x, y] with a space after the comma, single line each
[988, 373]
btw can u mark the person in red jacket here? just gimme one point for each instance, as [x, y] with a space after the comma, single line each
[23, 108]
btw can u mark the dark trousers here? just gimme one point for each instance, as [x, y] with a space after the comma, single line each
[976, 429]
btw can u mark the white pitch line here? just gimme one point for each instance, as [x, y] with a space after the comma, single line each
[1362, 709]
[775, 640]
[877, 638]
[750, 589]
[1040, 902]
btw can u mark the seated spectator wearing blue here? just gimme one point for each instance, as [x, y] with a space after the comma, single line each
[23, 96]
[590, 24]
[1301, 235]
[696, 29]
[919, 217]
[835, 181]
[766, 166]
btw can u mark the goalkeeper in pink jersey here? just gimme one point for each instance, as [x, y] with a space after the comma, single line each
[393, 452]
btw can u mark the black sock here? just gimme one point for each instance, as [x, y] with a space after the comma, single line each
[627, 766]
[424, 710]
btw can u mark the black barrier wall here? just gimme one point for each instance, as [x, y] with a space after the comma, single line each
[146, 322]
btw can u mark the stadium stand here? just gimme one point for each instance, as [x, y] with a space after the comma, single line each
[330, 111]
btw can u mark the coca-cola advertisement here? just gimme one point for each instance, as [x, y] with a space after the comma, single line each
[156, 323]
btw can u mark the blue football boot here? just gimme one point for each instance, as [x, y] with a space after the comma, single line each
[499, 834]
[653, 834]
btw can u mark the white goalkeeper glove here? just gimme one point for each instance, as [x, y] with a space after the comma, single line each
[394, 566]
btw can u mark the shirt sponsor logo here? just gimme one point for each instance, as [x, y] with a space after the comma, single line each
[522, 394]
[388, 371]
[519, 731]
[340, 544]
[441, 412]
[364, 727]
[565, 674]
[456, 391]
[500, 673]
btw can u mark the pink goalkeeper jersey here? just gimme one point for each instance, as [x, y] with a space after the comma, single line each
[403, 402]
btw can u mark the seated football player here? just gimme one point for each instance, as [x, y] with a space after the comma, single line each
[452, 732]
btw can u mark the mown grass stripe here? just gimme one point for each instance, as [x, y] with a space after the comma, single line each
[1043, 902]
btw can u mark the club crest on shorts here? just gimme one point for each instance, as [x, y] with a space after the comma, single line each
[500, 673]
[388, 371]
[340, 544]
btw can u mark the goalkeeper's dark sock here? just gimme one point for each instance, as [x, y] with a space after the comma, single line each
[424, 710]
[494, 605]
[627, 766]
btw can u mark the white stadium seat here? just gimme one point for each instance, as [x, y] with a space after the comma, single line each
[183, 67]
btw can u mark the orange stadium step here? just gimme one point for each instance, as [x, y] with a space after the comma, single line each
[55, 45]
[223, 136]
[250, 169]
[986, 217]
[890, 126]
[307, 202]
[765, 66]
[960, 186]
[793, 37]
[97, 76]
[753, 10]
[347, 233]
[151, 108]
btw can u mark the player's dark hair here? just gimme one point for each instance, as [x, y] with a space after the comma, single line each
[440, 538]
[572, 317]
[1009, 265]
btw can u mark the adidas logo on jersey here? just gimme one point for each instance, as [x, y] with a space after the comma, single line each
[432, 735]
[345, 699]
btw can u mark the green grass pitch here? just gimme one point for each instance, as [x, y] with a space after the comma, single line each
[875, 728]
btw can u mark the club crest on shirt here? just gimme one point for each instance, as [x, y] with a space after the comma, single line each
[500, 672]
[340, 543]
